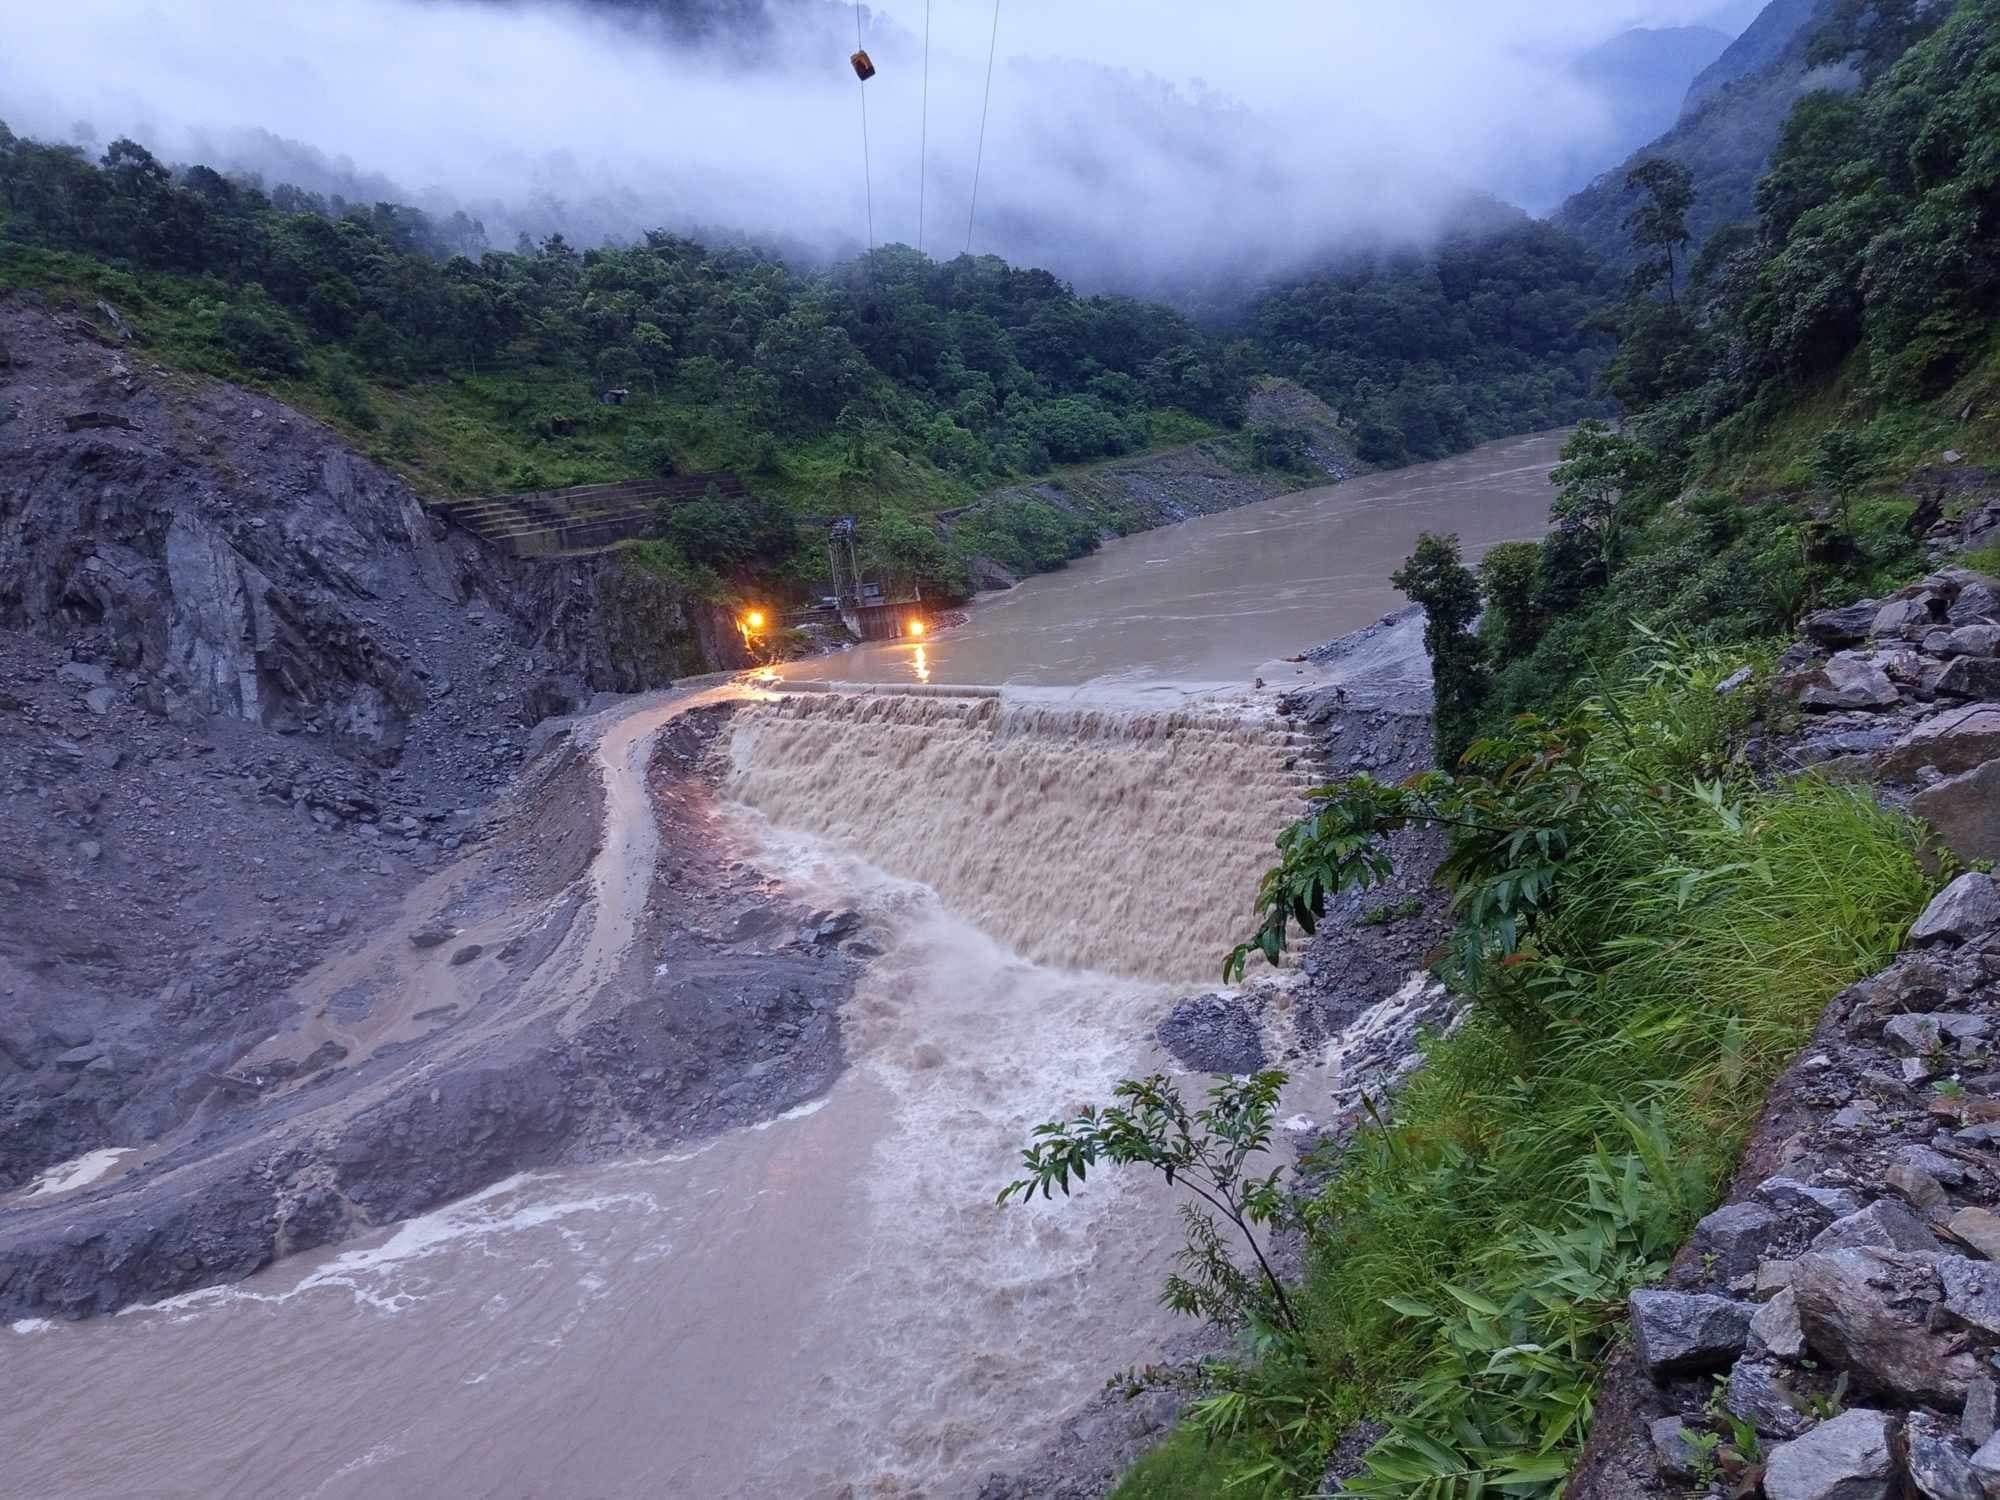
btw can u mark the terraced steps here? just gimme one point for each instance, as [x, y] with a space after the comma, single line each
[581, 518]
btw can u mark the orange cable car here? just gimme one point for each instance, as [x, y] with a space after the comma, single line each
[864, 66]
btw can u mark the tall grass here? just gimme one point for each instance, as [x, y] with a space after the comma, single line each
[1529, 1176]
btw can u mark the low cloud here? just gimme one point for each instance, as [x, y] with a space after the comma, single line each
[1130, 142]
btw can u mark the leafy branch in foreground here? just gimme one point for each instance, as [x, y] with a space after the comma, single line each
[1512, 816]
[1206, 1151]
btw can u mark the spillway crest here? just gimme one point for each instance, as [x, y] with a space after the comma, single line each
[1130, 843]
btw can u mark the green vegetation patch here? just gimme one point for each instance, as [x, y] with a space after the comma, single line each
[1648, 934]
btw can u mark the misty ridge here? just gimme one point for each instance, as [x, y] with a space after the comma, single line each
[1196, 152]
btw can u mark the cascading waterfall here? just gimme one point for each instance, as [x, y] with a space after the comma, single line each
[1123, 842]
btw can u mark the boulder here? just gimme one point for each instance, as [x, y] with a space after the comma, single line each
[1970, 677]
[1214, 1034]
[1758, 1394]
[1977, 599]
[1982, 639]
[1882, 1225]
[1915, 1033]
[1899, 615]
[1736, 1236]
[1796, 1197]
[1978, 1228]
[1777, 1327]
[1971, 1293]
[1671, 1449]
[1982, 1406]
[1847, 1458]
[1869, 1311]
[1975, 602]
[1685, 1333]
[1850, 681]
[1919, 1188]
[1939, 1463]
[1843, 626]
[82, 673]
[1965, 811]
[1986, 1466]
[1954, 741]
[1965, 909]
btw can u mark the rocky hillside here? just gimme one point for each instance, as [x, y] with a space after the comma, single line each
[250, 692]
[1832, 1331]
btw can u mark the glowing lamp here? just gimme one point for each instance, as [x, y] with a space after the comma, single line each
[915, 627]
[754, 620]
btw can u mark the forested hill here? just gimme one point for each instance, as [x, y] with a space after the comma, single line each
[1727, 130]
[477, 370]
[1789, 403]
[1427, 354]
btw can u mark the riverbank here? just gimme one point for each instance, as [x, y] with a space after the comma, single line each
[602, 974]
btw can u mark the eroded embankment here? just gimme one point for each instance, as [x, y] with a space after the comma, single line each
[605, 974]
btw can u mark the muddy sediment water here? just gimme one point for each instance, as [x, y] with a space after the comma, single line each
[827, 1306]
[1206, 602]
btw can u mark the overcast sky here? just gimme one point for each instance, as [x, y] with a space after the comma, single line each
[1128, 138]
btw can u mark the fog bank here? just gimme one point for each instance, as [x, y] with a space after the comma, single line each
[1129, 143]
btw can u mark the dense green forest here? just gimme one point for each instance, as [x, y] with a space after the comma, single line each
[1430, 353]
[893, 385]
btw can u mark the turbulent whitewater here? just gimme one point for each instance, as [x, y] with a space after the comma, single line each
[1125, 842]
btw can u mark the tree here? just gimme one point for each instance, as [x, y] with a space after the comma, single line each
[1434, 577]
[1598, 468]
[1510, 577]
[1659, 222]
[1837, 461]
[1206, 1151]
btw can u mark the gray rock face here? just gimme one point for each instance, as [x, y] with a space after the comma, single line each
[1940, 1465]
[1847, 1458]
[1777, 1326]
[1844, 626]
[1736, 1235]
[1899, 615]
[1955, 741]
[1965, 909]
[1972, 640]
[1791, 1196]
[1671, 1449]
[1758, 1393]
[1971, 677]
[1882, 1225]
[1681, 1333]
[1965, 810]
[1849, 681]
[1869, 1310]
[1971, 1293]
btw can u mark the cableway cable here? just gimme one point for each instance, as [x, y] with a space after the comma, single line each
[867, 179]
[924, 130]
[980, 156]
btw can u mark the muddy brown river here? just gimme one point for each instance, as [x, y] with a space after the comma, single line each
[827, 1306]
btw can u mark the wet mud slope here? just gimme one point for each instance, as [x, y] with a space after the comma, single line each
[583, 985]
